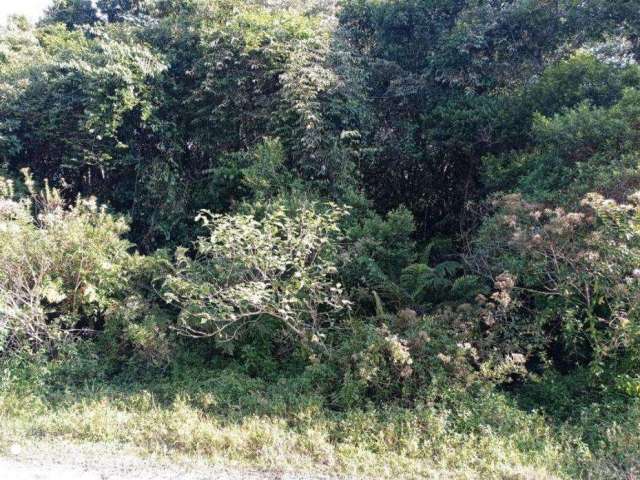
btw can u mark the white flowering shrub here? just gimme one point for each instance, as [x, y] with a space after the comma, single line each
[574, 278]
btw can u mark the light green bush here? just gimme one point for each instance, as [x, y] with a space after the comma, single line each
[61, 265]
[248, 270]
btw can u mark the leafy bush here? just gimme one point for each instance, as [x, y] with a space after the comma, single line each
[574, 276]
[61, 266]
[582, 77]
[137, 324]
[247, 270]
[434, 285]
[585, 148]
[258, 174]
[407, 358]
[379, 249]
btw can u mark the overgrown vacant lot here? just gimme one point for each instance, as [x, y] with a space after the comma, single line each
[368, 238]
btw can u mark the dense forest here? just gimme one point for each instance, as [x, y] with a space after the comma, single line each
[388, 238]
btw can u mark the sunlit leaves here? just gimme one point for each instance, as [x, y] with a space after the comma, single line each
[246, 269]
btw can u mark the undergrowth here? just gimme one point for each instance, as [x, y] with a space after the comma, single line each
[552, 428]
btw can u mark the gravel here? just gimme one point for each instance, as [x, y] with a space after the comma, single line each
[106, 462]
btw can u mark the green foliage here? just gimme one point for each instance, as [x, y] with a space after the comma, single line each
[102, 81]
[141, 95]
[432, 285]
[380, 248]
[377, 366]
[247, 270]
[479, 278]
[446, 81]
[62, 266]
[258, 175]
[75, 106]
[73, 13]
[582, 77]
[578, 271]
[583, 149]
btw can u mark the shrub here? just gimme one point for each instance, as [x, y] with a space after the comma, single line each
[407, 358]
[582, 149]
[248, 270]
[61, 265]
[379, 249]
[441, 283]
[257, 174]
[574, 276]
[137, 331]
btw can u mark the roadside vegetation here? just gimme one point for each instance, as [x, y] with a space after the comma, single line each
[381, 239]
